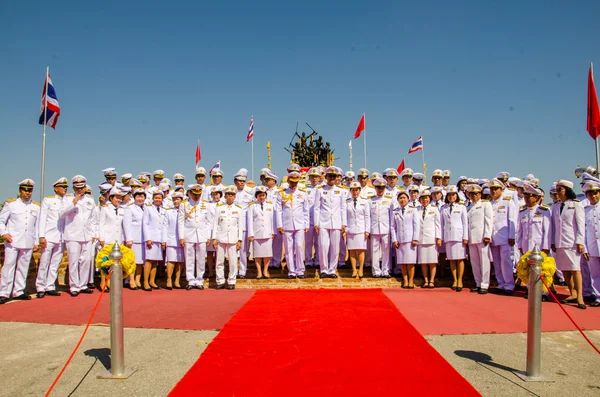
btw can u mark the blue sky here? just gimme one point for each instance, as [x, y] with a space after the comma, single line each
[490, 85]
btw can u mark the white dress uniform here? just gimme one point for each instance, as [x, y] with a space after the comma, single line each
[568, 230]
[195, 225]
[439, 204]
[272, 194]
[505, 224]
[343, 249]
[81, 226]
[480, 217]
[243, 198]
[380, 208]
[366, 192]
[455, 229]
[132, 226]
[358, 215]
[406, 228]
[262, 227]
[227, 230]
[430, 231]
[311, 239]
[110, 224]
[152, 225]
[534, 228]
[50, 227]
[330, 216]
[171, 236]
[293, 217]
[592, 245]
[19, 219]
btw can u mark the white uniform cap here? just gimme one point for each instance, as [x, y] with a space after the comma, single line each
[109, 172]
[230, 189]
[349, 174]
[264, 171]
[270, 175]
[314, 172]
[166, 181]
[565, 183]
[294, 167]
[158, 174]
[200, 171]
[379, 182]
[376, 175]
[487, 191]
[195, 188]
[496, 183]
[418, 176]
[528, 189]
[115, 191]
[125, 177]
[363, 172]
[425, 193]
[177, 195]
[125, 189]
[513, 180]
[413, 188]
[61, 182]
[260, 189]
[178, 176]
[462, 178]
[104, 187]
[407, 171]
[217, 172]
[27, 183]
[502, 175]
[591, 186]
[79, 181]
[164, 187]
[586, 177]
[452, 189]
[355, 185]
[241, 175]
[446, 174]
[401, 190]
[436, 189]
[392, 172]
[139, 191]
[135, 183]
[436, 173]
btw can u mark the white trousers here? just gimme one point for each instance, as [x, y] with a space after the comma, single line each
[195, 263]
[479, 255]
[503, 258]
[311, 241]
[79, 254]
[329, 249]
[48, 268]
[222, 250]
[293, 241]
[380, 244]
[586, 279]
[594, 264]
[14, 271]
[277, 250]
[244, 253]
[92, 269]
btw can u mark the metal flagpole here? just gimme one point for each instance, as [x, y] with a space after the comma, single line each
[424, 165]
[350, 147]
[252, 158]
[595, 140]
[365, 138]
[44, 135]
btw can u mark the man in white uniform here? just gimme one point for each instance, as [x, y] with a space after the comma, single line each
[227, 237]
[480, 218]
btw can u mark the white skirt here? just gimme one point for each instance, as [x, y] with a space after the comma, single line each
[175, 254]
[455, 250]
[139, 252]
[263, 247]
[567, 259]
[155, 253]
[356, 241]
[406, 254]
[427, 253]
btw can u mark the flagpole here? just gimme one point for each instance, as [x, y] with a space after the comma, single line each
[252, 158]
[424, 165]
[350, 162]
[595, 140]
[44, 135]
[365, 139]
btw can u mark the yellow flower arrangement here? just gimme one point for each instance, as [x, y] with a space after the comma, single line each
[548, 268]
[103, 261]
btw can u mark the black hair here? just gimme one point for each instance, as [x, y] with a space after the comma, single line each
[570, 193]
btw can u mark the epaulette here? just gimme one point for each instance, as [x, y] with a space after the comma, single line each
[239, 206]
[523, 208]
[130, 204]
[280, 189]
[10, 200]
[148, 204]
[507, 198]
[50, 197]
[106, 205]
[512, 188]
[302, 190]
[485, 201]
[577, 200]
[344, 187]
[219, 204]
[544, 208]
[205, 201]
[321, 186]
[269, 202]
[251, 203]
[36, 203]
[461, 202]
[371, 196]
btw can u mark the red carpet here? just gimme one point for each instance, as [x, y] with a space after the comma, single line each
[320, 343]
[443, 311]
[176, 309]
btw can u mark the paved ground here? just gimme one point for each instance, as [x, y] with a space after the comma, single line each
[32, 355]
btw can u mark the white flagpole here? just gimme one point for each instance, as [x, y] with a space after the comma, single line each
[424, 165]
[365, 139]
[44, 136]
[252, 118]
[350, 162]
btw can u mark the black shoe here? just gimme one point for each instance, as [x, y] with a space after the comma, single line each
[169, 288]
[581, 306]
[3, 300]
[458, 289]
[157, 287]
[86, 291]
[562, 283]
[526, 296]
[40, 295]
[300, 276]
[53, 293]
[231, 286]
[595, 304]
[106, 290]
[323, 275]
[332, 275]
[240, 277]
[496, 291]
[545, 298]
[386, 276]
[220, 286]
[475, 289]
[453, 288]
[200, 287]
[74, 293]
[569, 300]
[508, 292]
[291, 277]
[23, 297]
[189, 287]
[376, 276]
[482, 291]
[589, 299]
[91, 286]
[147, 289]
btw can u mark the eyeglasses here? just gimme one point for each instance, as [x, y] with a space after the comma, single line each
[179, 180]
[26, 189]
[110, 178]
[88, 193]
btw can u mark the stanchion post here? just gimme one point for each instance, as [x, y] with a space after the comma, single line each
[117, 336]
[534, 320]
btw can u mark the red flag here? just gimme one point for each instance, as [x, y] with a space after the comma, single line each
[593, 112]
[361, 127]
[401, 167]
[198, 156]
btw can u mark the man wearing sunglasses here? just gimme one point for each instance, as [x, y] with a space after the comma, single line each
[110, 175]
[18, 228]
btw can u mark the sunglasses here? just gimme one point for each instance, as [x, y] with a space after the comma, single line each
[110, 178]
[179, 180]
[26, 189]
[527, 194]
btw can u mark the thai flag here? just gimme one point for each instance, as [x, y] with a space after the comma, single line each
[53, 109]
[250, 129]
[215, 167]
[418, 145]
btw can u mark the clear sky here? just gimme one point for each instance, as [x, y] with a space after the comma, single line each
[490, 85]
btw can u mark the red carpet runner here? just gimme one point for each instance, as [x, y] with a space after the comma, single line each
[320, 343]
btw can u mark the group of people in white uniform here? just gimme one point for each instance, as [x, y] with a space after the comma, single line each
[319, 217]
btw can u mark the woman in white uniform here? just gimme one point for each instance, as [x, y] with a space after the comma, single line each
[455, 235]
[216, 197]
[110, 226]
[406, 229]
[132, 224]
[152, 224]
[429, 239]
[568, 225]
[357, 231]
[171, 237]
[261, 230]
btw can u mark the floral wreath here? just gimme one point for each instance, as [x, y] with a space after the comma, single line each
[548, 268]
[103, 261]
